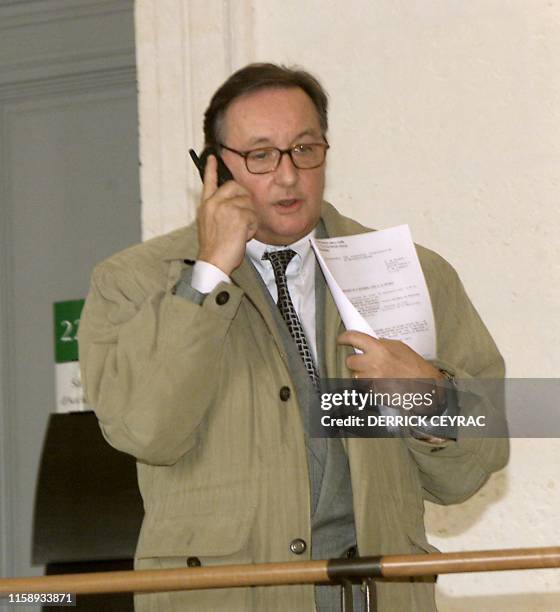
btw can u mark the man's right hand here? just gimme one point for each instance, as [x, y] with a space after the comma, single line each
[226, 221]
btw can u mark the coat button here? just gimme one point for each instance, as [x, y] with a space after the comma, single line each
[193, 562]
[298, 546]
[222, 298]
[285, 394]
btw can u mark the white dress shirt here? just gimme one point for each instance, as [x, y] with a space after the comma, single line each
[300, 275]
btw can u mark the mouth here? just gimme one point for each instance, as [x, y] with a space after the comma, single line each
[288, 204]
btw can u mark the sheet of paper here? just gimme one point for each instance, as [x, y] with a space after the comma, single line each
[378, 286]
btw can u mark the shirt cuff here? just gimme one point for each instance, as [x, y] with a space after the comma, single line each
[206, 277]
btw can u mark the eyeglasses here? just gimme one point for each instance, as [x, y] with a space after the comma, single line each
[304, 156]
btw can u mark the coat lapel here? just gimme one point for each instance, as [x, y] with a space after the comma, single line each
[245, 278]
[328, 319]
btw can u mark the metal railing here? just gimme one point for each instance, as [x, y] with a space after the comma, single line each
[334, 571]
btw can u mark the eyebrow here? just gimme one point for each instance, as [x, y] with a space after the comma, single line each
[267, 142]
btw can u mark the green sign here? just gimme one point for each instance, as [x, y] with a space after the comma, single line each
[66, 323]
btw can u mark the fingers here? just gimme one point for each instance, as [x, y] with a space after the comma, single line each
[232, 214]
[210, 178]
[356, 363]
[359, 340]
[226, 221]
[375, 354]
[384, 358]
[230, 190]
[364, 343]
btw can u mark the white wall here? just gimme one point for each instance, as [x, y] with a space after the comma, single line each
[445, 114]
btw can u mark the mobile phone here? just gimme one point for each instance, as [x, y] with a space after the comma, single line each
[200, 162]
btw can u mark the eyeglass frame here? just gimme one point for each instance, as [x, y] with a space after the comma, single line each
[245, 155]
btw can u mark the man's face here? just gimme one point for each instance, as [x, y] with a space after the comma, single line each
[288, 200]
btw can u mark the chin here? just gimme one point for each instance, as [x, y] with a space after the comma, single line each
[292, 230]
[292, 234]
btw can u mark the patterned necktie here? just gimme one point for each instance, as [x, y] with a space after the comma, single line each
[280, 261]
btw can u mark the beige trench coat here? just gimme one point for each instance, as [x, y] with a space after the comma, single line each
[193, 392]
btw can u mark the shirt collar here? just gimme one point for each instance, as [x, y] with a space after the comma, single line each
[256, 249]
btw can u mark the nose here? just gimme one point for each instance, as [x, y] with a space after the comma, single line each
[286, 174]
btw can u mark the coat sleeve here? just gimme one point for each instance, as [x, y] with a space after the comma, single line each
[148, 359]
[454, 471]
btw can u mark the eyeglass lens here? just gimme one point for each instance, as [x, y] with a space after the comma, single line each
[305, 156]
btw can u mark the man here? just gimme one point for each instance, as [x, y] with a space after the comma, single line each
[201, 349]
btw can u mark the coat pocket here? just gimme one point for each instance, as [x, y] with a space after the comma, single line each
[213, 521]
[215, 535]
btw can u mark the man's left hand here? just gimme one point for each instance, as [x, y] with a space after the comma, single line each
[383, 358]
